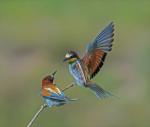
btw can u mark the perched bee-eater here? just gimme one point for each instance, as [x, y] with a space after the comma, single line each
[84, 69]
[52, 94]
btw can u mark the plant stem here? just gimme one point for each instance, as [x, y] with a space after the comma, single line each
[36, 115]
[68, 87]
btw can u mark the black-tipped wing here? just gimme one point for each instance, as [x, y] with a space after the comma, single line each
[98, 49]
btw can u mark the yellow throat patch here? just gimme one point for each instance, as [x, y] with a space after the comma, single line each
[72, 60]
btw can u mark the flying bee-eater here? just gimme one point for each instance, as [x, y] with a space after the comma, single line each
[84, 69]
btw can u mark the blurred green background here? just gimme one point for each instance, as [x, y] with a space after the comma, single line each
[36, 34]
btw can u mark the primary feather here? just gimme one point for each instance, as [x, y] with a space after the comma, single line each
[97, 50]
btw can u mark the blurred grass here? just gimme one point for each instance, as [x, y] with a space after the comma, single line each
[35, 35]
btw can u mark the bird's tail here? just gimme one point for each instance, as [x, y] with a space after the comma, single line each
[99, 91]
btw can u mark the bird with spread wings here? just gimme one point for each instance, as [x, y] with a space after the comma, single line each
[86, 68]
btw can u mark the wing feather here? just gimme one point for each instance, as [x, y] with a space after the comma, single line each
[97, 50]
[55, 96]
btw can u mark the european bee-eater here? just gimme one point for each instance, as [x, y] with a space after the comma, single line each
[84, 69]
[52, 94]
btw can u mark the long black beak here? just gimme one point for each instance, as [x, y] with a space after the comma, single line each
[53, 74]
[64, 60]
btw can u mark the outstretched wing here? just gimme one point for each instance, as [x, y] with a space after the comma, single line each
[97, 50]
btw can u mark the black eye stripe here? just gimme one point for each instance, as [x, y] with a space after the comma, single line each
[73, 56]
